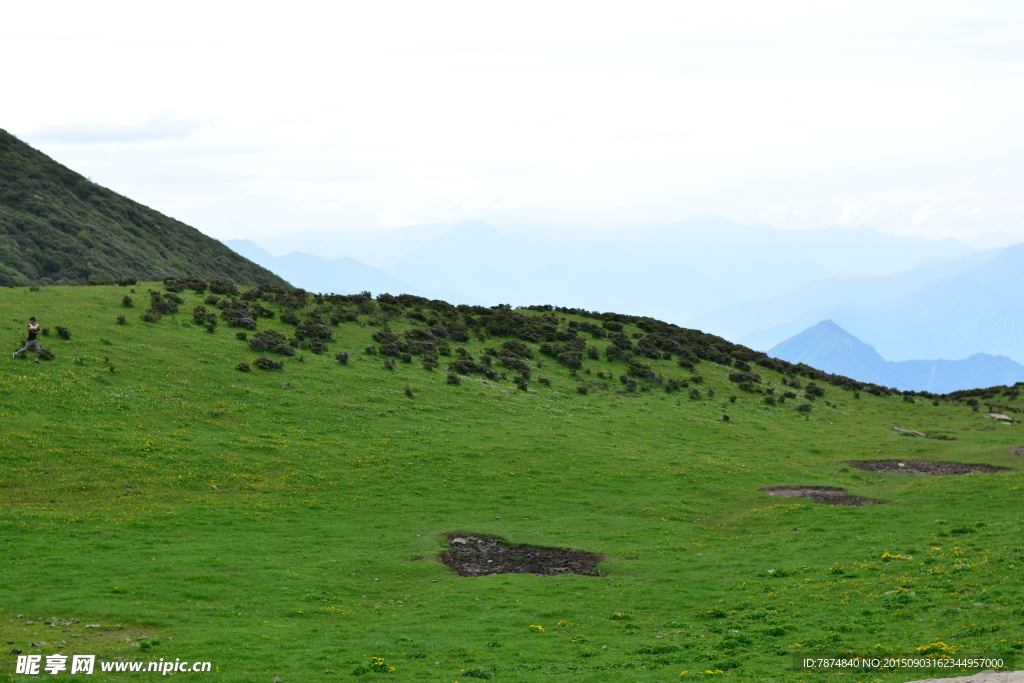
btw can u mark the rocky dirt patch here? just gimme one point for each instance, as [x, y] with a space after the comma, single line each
[933, 467]
[473, 555]
[826, 495]
[1017, 450]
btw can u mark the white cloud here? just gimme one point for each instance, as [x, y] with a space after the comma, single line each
[242, 118]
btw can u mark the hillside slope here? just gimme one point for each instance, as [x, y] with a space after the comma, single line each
[830, 348]
[163, 497]
[58, 227]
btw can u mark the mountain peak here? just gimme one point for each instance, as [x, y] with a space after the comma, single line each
[826, 345]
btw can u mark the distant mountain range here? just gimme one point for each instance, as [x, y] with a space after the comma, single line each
[826, 346]
[946, 309]
[677, 272]
[58, 227]
[339, 275]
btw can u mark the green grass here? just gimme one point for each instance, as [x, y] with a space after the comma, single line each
[302, 562]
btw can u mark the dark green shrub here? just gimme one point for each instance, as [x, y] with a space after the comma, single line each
[221, 287]
[695, 394]
[241, 335]
[201, 315]
[697, 379]
[517, 364]
[545, 381]
[789, 394]
[127, 302]
[243, 366]
[454, 379]
[211, 327]
[264, 363]
[149, 317]
[120, 320]
[289, 318]
[770, 400]
[515, 347]
[803, 408]
[46, 354]
[370, 349]
[389, 363]
[273, 341]
[583, 388]
[63, 332]
[341, 358]
[211, 300]
[814, 390]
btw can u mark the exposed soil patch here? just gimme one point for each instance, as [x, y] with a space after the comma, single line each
[826, 495]
[933, 467]
[1017, 450]
[472, 555]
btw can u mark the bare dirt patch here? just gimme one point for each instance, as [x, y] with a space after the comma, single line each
[1017, 450]
[473, 555]
[933, 467]
[826, 495]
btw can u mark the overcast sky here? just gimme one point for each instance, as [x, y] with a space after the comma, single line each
[247, 119]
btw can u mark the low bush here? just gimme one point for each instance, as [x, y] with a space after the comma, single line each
[63, 332]
[803, 408]
[273, 341]
[241, 335]
[454, 379]
[514, 347]
[814, 390]
[341, 358]
[694, 394]
[243, 366]
[127, 301]
[120, 320]
[264, 363]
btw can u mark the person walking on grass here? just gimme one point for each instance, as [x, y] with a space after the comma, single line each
[32, 343]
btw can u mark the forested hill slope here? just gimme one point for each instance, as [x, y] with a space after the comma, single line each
[56, 226]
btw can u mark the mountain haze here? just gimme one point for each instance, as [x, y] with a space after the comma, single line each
[58, 227]
[979, 309]
[828, 347]
[685, 270]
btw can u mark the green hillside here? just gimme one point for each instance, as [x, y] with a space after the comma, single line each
[58, 227]
[283, 523]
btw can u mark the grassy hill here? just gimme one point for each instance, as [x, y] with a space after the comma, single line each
[283, 522]
[58, 227]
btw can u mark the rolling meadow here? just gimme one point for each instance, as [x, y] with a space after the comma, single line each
[163, 496]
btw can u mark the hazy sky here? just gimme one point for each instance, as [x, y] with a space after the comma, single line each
[265, 118]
